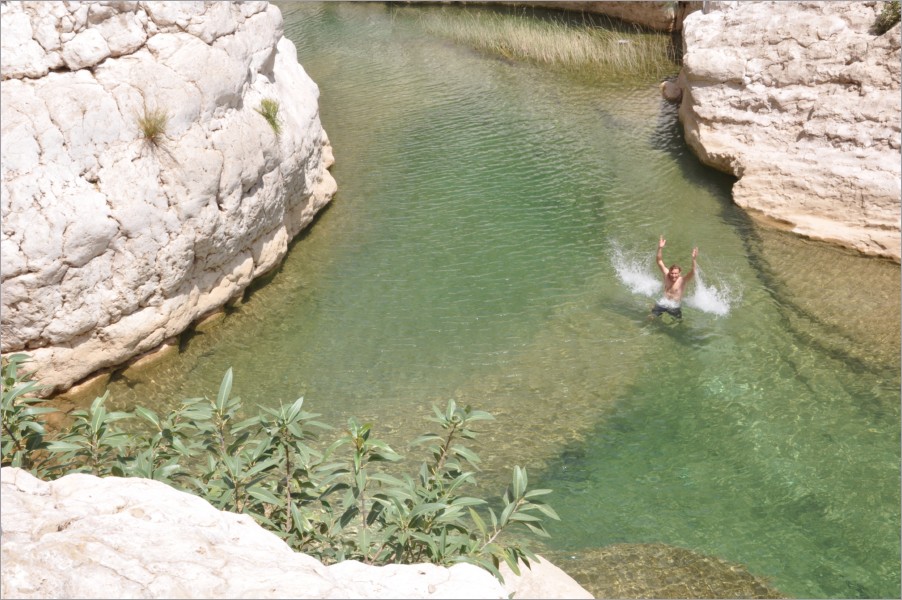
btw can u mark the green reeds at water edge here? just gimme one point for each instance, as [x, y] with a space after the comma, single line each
[584, 47]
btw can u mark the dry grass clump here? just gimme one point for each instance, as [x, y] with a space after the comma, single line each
[578, 47]
[152, 125]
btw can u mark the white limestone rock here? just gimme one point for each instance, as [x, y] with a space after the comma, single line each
[801, 101]
[111, 244]
[541, 580]
[86, 537]
[86, 49]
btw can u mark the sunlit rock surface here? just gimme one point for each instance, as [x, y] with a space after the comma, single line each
[801, 101]
[87, 537]
[111, 243]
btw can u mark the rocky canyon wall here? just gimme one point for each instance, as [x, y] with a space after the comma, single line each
[113, 242]
[801, 102]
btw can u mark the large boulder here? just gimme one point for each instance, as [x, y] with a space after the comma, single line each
[113, 242]
[801, 102]
[88, 537]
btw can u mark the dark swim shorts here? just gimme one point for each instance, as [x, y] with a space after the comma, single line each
[674, 312]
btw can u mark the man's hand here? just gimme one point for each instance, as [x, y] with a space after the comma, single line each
[694, 253]
[661, 242]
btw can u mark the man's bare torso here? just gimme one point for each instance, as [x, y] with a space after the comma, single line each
[674, 280]
[673, 288]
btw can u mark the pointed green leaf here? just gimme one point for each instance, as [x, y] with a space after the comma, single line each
[61, 446]
[511, 560]
[537, 529]
[480, 524]
[467, 454]
[534, 493]
[264, 494]
[494, 519]
[225, 388]
[295, 410]
[148, 415]
[506, 513]
[519, 482]
[546, 510]
[428, 507]
[98, 412]
[522, 517]
[245, 424]
[480, 415]
[467, 501]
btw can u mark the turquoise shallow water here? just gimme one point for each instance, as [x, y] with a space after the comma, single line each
[492, 241]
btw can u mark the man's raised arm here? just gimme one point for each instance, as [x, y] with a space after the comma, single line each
[660, 256]
[691, 272]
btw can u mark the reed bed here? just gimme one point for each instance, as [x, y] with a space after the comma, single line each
[573, 47]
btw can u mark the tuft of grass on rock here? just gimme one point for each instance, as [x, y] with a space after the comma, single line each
[269, 108]
[153, 125]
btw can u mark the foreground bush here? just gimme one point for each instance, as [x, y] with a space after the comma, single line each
[334, 505]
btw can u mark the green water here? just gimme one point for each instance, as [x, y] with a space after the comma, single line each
[493, 241]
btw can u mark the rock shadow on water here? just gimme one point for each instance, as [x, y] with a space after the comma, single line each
[659, 571]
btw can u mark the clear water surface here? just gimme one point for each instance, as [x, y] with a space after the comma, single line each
[493, 241]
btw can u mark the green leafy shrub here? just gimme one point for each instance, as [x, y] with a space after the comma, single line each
[269, 108]
[23, 430]
[346, 502]
[888, 17]
[152, 125]
[92, 444]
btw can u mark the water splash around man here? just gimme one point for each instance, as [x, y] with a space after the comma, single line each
[634, 270]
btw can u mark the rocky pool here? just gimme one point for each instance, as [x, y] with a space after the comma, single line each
[493, 241]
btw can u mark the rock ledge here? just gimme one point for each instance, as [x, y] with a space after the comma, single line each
[85, 537]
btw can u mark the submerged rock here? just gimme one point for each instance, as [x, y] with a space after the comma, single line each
[662, 571]
[116, 237]
[88, 537]
[800, 101]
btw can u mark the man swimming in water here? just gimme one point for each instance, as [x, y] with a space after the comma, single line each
[674, 285]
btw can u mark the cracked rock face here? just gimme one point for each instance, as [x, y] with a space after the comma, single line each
[801, 101]
[113, 242]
